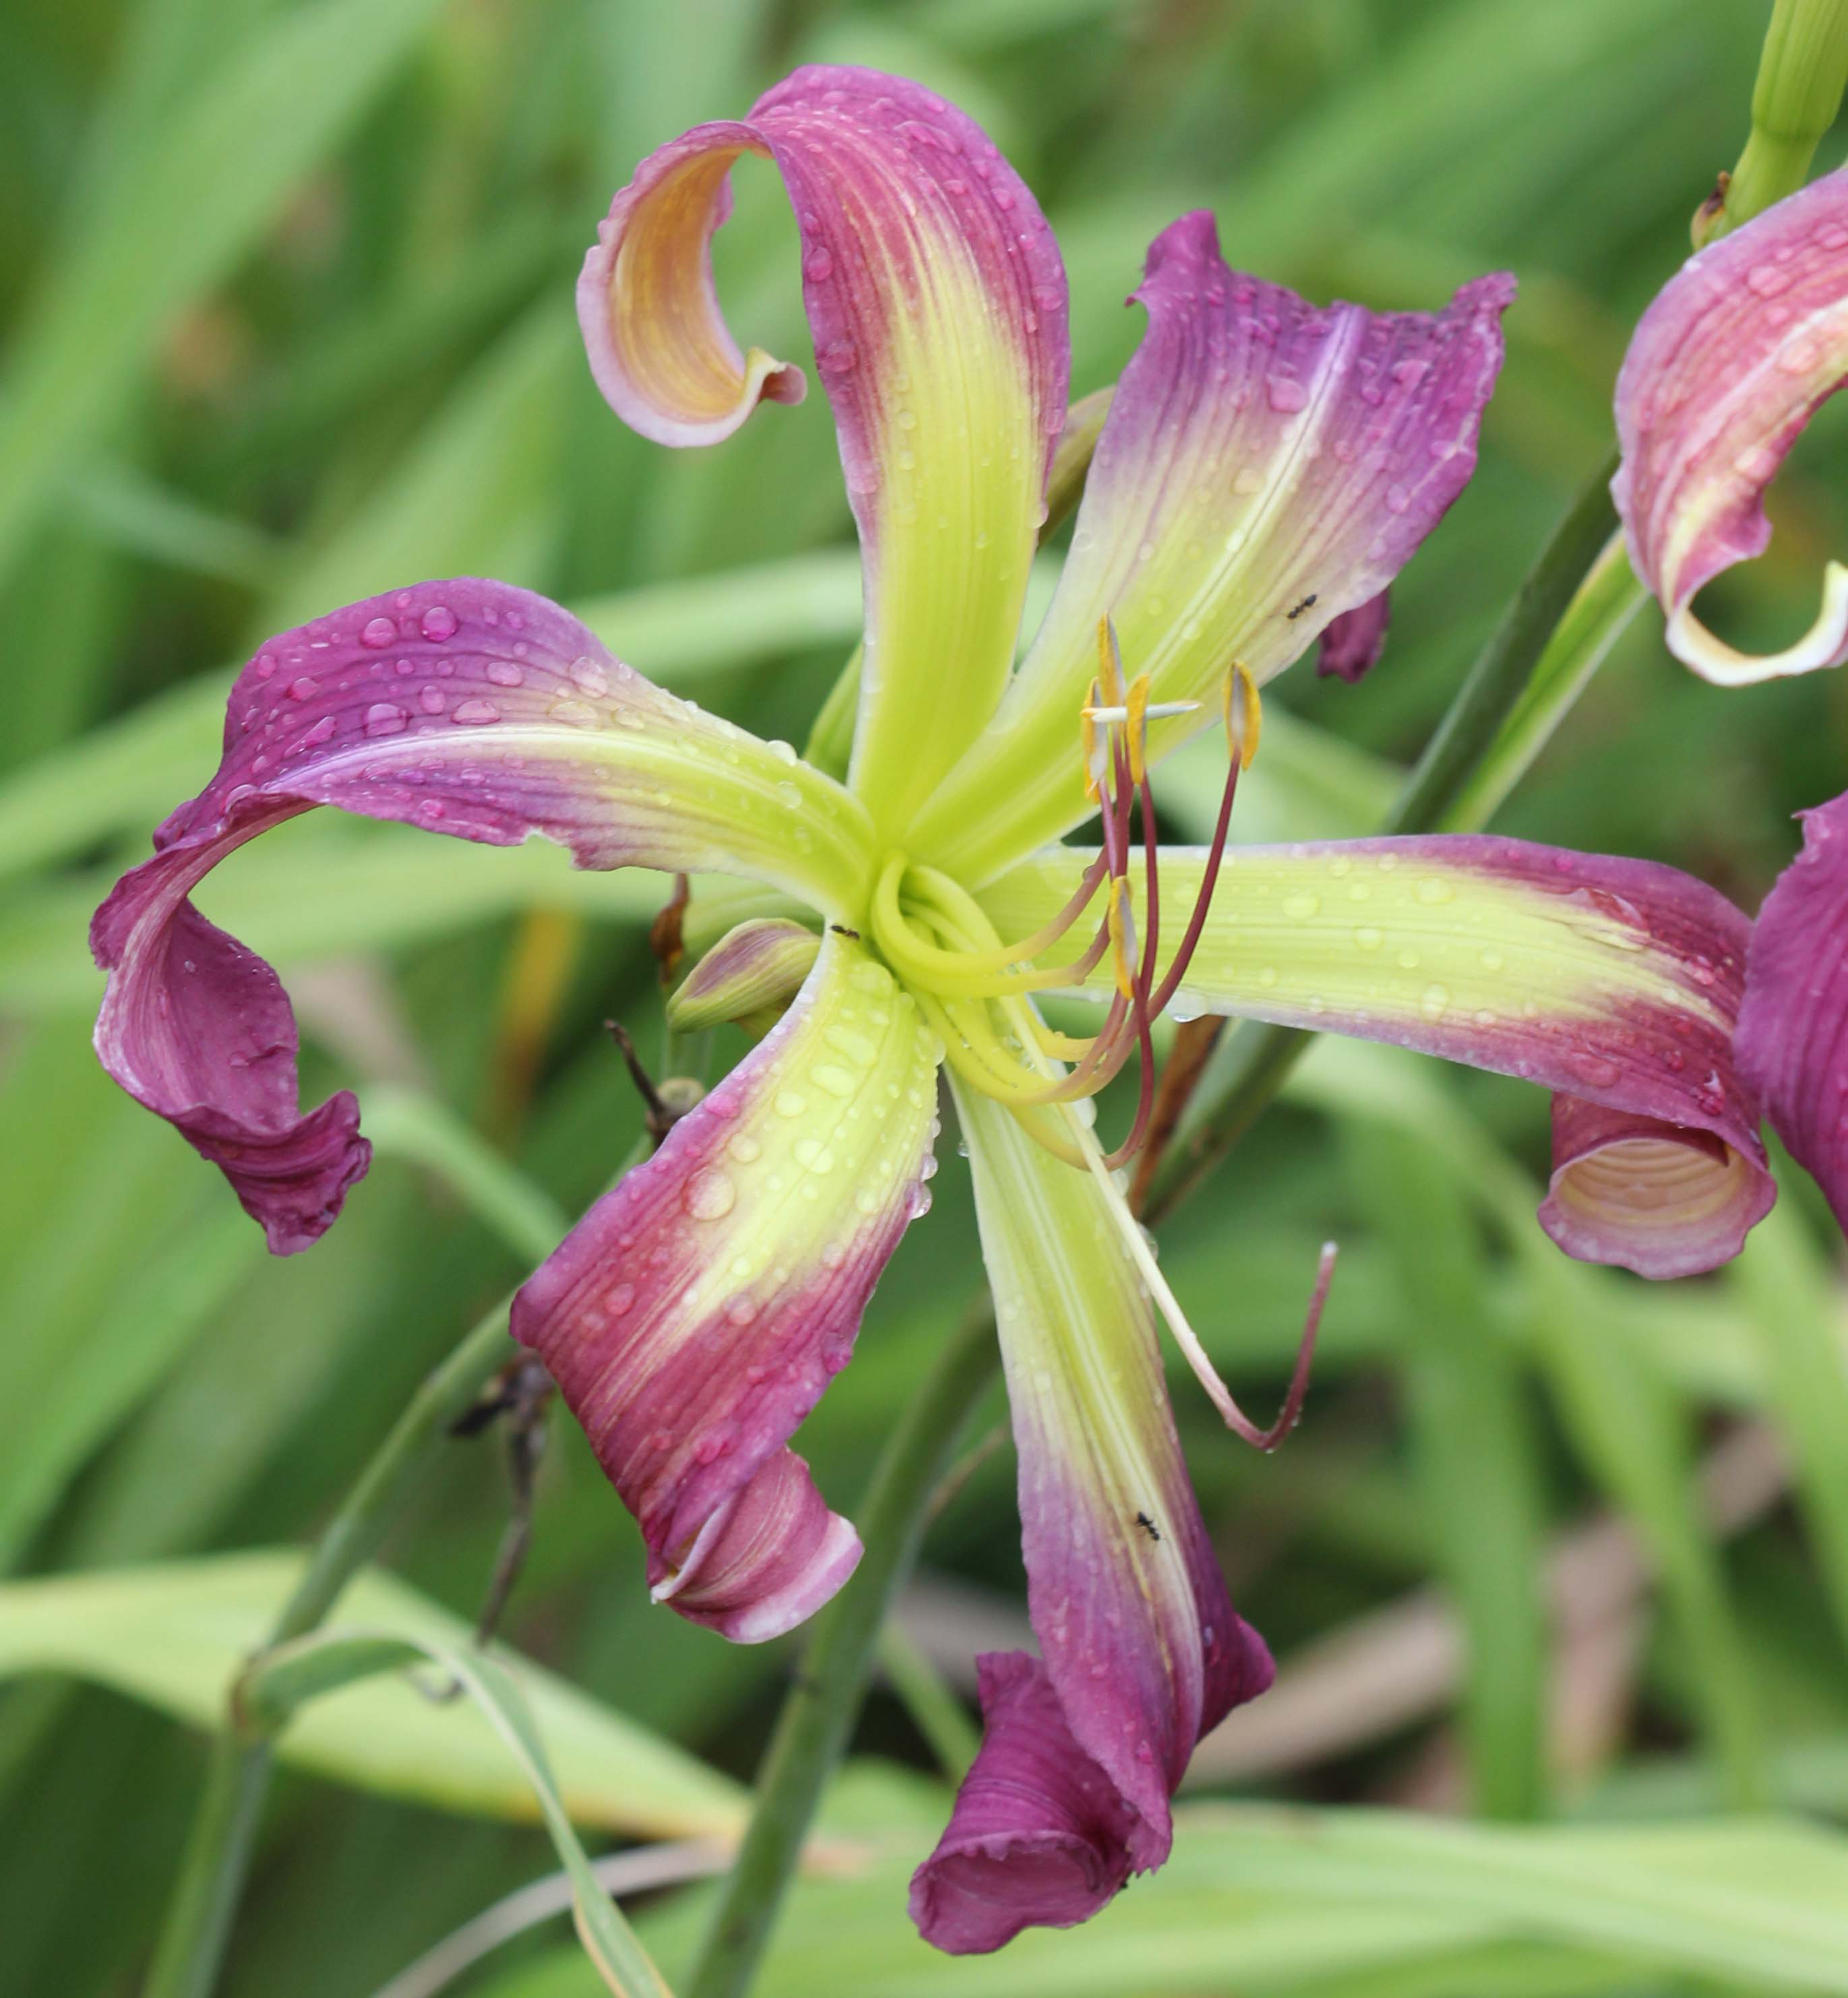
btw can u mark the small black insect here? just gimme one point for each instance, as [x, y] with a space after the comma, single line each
[1303, 605]
[841, 929]
[1148, 1526]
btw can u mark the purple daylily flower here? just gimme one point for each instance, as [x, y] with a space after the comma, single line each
[1266, 468]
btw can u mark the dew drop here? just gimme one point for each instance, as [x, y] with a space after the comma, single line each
[503, 672]
[475, 713]
[790, 1103]
[1433, 889]
[709, 1195]
[382, 718]
[1368, 939]
[1301, 905]
[1433, 1002]
[621, 1300]
[377, 633]
[588, 675]
[438, 624]
[1286, 395]
[833, 1077]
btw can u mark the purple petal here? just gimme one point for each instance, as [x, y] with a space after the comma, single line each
[1040, 1835]
[1142, 1651]
[1353, 642]
[466, 707]
[1738, 351]
[1793, 1027]
[1659, 1198]
[1615, 982]
[1266, 466]
[936, 301]
[694, 1316]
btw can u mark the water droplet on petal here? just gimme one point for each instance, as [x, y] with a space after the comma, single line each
[710, 1194]
[476, 713]
[503, 672]
[382, 718]
[438, 624]
[378, 633]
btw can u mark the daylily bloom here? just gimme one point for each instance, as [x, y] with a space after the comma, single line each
[1265, 469]
[1737, 353]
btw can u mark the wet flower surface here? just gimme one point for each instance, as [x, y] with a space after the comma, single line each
[1266, 468]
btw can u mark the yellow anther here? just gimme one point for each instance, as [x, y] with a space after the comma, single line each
[1094, 762]
[1109, 661]
[1244, 715]
[1137, 727]
[1123, 937]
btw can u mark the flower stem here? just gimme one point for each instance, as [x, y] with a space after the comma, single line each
[218, 1848]
[821, 1705]
[1472, 734]
[1801, 73]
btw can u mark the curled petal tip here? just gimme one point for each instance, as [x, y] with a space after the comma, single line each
[766, 1561]
[1824, 644]
[1659, 1198]
[1039, 1837]
[1737, 352]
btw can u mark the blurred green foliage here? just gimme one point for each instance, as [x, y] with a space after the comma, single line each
[287, 287]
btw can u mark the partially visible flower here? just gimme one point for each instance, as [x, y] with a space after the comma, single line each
[1266, 468]
[1793, 1027]
[1736, 353]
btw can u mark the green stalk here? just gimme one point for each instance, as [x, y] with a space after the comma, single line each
[192, 1946]
[1488, 726]
[1802, 72]
[820, 1709]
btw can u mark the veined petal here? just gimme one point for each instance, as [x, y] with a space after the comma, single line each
[936, 300]
[1142, 1650]
[1267, 466]
[1617, 982]
[693, 1318]
[467, 707]
[1737, 352]
[1655, 1198]
[1793, 1027]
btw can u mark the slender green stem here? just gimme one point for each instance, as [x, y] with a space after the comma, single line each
[1801, 71]
[218, 1847]
[822, 1706]
[1471, 734]
[936, 1711]
[1500, 676]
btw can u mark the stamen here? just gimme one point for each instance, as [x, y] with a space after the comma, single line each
[1156, 711]
[1123, 938]
[1136, 729]
[1109, 660]
[1184, 1336]
[1244, 713]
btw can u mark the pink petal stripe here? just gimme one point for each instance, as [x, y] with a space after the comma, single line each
[696, 1313]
